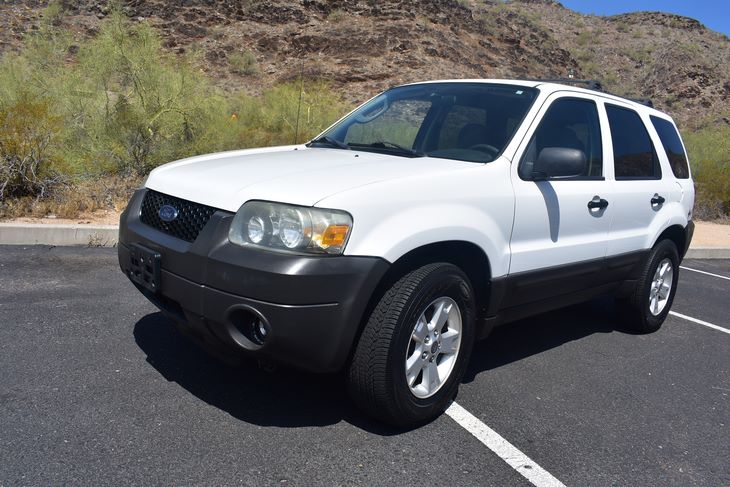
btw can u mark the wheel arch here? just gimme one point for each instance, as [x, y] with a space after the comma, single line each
[467, 256]
[676, 234]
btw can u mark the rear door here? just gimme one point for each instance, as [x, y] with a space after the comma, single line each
[641, 193]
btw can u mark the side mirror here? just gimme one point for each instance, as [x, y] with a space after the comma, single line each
[559, 163]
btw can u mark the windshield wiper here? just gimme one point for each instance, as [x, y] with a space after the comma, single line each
[384, 144]
[326, 139]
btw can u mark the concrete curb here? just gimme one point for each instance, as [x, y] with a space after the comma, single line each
[56, 234]
[708, 253]
[108, 235]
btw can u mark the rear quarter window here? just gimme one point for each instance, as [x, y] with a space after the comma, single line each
[672, 146]
[634, 156]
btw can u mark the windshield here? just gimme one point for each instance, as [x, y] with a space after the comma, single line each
[464, 121]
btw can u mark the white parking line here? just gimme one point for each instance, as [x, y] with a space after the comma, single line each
[700, 322]
[503, 448]
[704, 272]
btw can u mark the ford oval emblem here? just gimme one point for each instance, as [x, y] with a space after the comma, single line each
[167, 213]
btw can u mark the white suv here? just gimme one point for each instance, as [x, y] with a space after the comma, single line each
[407, 230]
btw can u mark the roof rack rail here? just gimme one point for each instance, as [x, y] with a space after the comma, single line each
[595, 85]
[644, 101]
[591, 84]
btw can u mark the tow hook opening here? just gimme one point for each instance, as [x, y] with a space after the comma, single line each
[248, 327]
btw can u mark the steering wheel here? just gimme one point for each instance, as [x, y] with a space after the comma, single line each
[486, 148]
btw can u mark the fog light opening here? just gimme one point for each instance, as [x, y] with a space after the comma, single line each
[249, 327]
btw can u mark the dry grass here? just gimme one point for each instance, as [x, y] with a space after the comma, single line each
[79, 200]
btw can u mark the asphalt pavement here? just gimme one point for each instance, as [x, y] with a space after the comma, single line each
[97, 388]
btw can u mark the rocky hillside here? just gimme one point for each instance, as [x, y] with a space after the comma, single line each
[364, 46]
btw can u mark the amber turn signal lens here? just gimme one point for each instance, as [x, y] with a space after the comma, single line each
[335, 235]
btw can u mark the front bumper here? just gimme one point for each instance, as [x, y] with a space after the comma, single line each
[313, 305]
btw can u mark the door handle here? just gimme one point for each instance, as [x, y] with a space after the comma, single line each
[657, 200]
[597, 202]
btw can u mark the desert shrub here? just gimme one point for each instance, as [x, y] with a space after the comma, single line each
[639, 55]
[585, 56]
[243, 63]
[27, 130]
[337, 15]
[53, 13]
[118, 105]
[143, 106]
[583, 38]
[488, 23]
[709, 154]
[125, 104]
[271, 119]
[591, 69]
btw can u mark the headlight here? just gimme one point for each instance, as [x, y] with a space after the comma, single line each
[290, 228]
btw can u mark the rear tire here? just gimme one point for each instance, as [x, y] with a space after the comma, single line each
[415, 347]
[647, 307]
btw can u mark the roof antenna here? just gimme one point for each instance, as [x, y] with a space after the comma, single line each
[299, 107]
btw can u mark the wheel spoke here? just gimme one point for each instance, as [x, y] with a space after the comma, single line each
[431, 379]
[654, 304]
[414, 364]
[450, 342]
[441, 315]
[658, 274]
[421, 330]
[664, 290]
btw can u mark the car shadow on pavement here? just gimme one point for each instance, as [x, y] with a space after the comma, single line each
[537, 334]
[292, 398]
[284, 398]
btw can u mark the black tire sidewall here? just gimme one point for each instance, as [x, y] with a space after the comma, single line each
[664, 249]
[445, 280]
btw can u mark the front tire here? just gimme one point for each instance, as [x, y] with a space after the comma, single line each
[415, 347]
[648, 306]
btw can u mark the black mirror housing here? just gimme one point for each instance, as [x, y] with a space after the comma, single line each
[559, 163]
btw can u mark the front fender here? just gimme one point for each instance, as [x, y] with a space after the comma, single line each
[393, 217]
[406, 230]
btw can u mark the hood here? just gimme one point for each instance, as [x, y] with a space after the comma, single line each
[292, 174]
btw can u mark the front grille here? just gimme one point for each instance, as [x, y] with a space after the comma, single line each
[190, 220]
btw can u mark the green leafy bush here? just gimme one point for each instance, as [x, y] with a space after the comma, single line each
[119, 104]
[288, 113]
[709, 154]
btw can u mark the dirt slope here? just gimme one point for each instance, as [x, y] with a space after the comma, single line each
[365, 46]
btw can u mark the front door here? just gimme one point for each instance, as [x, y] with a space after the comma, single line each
[562, 223]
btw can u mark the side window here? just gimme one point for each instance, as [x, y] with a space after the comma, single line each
[633, 153]
[571, 123]
[672, 146]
